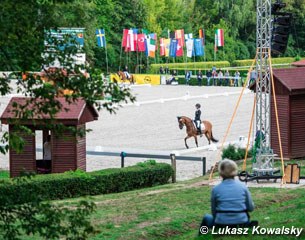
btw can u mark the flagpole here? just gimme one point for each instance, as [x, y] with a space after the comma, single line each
[136, 70]
[106, 52]
[141, 57]
[121, 51]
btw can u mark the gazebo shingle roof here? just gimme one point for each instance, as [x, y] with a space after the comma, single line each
[75, 113]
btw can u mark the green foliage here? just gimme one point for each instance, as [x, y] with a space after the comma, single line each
[233, 153]
[76, 184]
[34, 217]
[147, 163]
[46, 220]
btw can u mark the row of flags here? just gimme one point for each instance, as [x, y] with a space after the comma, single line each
[173, 46]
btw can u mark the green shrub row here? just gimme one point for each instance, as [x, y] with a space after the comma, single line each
[248, 62]
[190, 65]
[154, 68]
[76, 184]
[233, 153]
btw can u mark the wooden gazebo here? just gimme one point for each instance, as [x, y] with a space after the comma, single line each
[290, 95]
[68, 150]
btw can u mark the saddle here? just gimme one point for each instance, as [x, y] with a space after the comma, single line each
[202, 126]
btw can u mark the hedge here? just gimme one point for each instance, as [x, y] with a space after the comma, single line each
[76, 184]
[248, 62]
[190, 66]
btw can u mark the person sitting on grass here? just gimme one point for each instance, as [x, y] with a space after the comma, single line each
[230, 201]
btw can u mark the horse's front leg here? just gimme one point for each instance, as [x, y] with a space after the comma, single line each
[196, 140]
[185, 141]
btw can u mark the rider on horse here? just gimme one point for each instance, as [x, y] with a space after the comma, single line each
[197, 119]
[126, 72]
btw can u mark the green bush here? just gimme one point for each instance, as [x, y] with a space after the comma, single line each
[77, 184]
[233, 153]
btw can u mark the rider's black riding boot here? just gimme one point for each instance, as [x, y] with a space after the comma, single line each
[199, 131]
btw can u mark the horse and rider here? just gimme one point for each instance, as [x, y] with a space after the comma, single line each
[125, 75]
[196, 127]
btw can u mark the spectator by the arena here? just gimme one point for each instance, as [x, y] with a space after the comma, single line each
[227, 77]
[230, 201]
[187, 77]
[236, 78]
[220, 77]
[209, 75]
[199, 78]
[161, 70]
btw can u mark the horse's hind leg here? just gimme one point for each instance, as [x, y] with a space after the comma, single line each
[207, 134]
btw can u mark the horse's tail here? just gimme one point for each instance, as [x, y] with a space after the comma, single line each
[213, 139]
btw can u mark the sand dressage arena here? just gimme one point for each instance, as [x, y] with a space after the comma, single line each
[150, 125]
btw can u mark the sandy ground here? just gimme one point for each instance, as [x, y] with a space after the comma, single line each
[150, 126]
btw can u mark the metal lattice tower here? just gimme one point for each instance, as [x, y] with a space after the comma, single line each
[263, 164]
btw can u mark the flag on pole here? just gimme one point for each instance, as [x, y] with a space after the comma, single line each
[201, 35]
[141, 42]
[219, 38]
[132, 40]
[145, 31]
[101, 38]
[173, 47]
[179, 35]
[189, 43]
[162, 47]
[188, 36]
[179, 51]
[199, 51]
[167, 43]
[151, 41]
[124, 38]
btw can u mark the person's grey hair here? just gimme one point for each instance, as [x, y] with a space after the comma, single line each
[227, 168]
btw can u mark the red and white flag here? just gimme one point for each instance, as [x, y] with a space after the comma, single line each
[179, 52]
[141, 42]
[124, 38]
[132, 37]
[162, 47]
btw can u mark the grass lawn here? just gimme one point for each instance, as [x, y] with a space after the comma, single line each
[174, 211]
[4, 174]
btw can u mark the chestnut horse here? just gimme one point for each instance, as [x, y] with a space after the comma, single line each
[191, 130]
[123, 77]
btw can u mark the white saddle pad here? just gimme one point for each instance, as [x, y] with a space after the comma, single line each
[202, 126]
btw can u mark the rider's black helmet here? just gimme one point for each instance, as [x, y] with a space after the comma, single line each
[197, 105]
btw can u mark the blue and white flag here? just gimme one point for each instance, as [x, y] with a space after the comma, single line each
[189, 43]
[101, 39]
[173, 47]
[199, 51]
